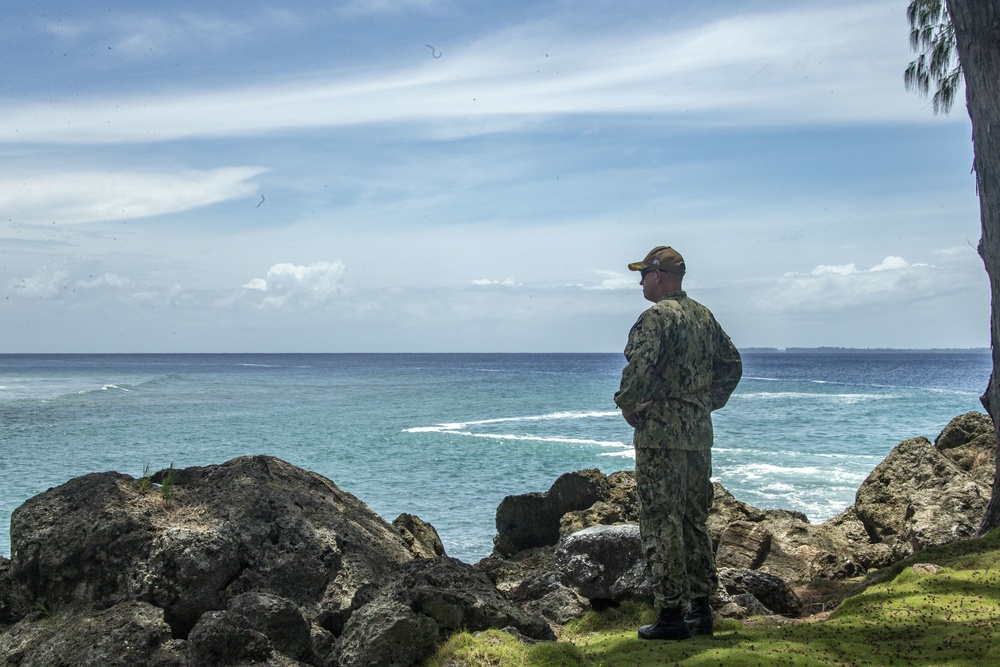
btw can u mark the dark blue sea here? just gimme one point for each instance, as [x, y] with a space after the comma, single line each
[447, 436]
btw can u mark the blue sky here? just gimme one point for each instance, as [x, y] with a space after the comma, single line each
[420, 175]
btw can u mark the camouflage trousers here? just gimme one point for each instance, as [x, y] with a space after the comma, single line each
[675, 493]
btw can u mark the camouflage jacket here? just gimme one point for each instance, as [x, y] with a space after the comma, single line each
[680, 359]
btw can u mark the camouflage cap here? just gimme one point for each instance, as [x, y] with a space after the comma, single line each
[663, 258]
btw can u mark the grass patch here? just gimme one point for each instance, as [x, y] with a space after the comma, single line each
[945, 615]
[495, 648]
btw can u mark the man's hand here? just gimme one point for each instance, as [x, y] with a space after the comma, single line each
[632, 417]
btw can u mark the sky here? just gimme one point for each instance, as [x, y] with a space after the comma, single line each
[463, 176]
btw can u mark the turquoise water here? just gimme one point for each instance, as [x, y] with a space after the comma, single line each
[446, 437]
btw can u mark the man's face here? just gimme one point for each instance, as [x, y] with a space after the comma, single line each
[650, 280]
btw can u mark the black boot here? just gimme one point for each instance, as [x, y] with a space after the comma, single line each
[669, 625]
[699, 619]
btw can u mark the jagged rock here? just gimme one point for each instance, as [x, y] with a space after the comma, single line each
[743, 544]
[601, 513]
[782, 542]
[516, 577]
[559, 604]
[605, 563]
[420, 537]
[8, 614]
[918, 497]
[400, 622]
[617, 503]
[531, 579]
[971, 442]
[532, 520]
[277, 619]
[386, 633]
[252, 524]
[220, 638]
[768, 589]
[726, 509]
[963, 429]
[130, 634]
[745, 605]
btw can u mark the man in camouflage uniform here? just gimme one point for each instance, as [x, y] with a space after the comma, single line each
[681, 367]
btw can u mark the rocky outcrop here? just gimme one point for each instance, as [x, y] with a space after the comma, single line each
[971, 442]
[252, 524]
[252, 561]
[128, 634]
[605, 563]
[256, 561]
[8, 613]
[748, 588]
[532, 520]
[920, 497]
[530, 579]
[421, 538]
[617, 503]
[401, 621]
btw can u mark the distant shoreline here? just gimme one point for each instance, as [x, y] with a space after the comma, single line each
[862, 350]
[745, 350]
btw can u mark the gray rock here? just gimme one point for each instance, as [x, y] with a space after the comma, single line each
[252, 524]
[420, 536]
[8, 612]
[971, 442]
[963, 429]
[400, 622]
[559, 604]
[130, 634]
[775, 596]
[531, 580]
[746, 605]
[918, 497]
[386, 633]
[604, 563]
[277, 619]
[532, 520]
[221, 638]
[617, 503]
[744, 544]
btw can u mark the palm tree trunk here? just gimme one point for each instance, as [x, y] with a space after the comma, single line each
[977, 36]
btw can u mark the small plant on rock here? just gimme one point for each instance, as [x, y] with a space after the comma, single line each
[167, 484]
[143, 482]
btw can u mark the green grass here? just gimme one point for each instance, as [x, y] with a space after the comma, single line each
[902, 616]
[167, 485]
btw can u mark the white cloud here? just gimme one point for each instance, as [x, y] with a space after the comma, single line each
[138, 35]
[106, 280]
[257, 284]
[369, 7]
[838, 287]
[288, 283]
[45, 283]
[87, 196]
[485, 282]
[613, 280]
[739, 71]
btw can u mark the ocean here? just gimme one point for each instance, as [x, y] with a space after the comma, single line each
[448, 436]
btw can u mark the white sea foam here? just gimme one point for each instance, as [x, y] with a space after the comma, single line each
[843, 399]
[540, 438]
[624, 454]
[755, 472]
[464, 428]
[444, 428]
